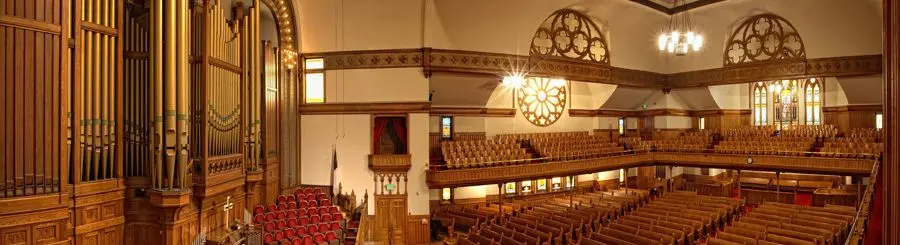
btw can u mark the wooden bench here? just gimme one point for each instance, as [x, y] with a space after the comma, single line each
[629, 237]
[666, 239]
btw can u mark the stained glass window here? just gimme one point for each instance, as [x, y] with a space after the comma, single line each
[446, 127]
[510, 188]
[314, 81]
[813, 102]
[542, 184]
[621, 126]
[526, 186]
[760, 103]
[556, 183]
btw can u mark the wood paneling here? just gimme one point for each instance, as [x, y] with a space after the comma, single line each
[33, 98]
[851, 116]
[364, 108]
[890, 186]
[472, 112]
[418, 230]
[757, 197]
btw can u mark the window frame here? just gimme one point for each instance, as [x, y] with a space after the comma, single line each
[308, 71]
[622, 125]
[812, 107]
[701, 124]
[879, 120]
[441, 127]
[450, 195]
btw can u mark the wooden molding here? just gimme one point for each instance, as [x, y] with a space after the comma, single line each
[472, 111]
[497, 64]
[678, 9]
[652, 113]
[364, 108]
[871, 107]
[390, 163]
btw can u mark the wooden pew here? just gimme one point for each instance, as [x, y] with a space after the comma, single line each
[629, 237]
[609, 240]
[718, 241]
[666, 239]
[679, 236]
[787, 240]
[735, 238]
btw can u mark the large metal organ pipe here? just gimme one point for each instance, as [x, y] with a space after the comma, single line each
[170, 115]
[252, 87]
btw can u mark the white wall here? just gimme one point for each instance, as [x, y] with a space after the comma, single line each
[732, 96]
[671, 122]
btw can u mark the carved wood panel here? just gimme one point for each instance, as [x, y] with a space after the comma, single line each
[391, 221]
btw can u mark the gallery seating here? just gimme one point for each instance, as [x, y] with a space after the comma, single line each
[306, 217]
[482, 153]
[779, 223]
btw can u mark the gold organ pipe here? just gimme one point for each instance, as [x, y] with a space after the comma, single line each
[169, 94]
[103, 100]
[156, 59]
[184, 93]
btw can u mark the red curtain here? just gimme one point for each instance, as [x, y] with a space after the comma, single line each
[377, 131]
[400, 130]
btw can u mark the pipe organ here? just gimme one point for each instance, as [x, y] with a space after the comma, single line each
[270, 94]
[251, 91]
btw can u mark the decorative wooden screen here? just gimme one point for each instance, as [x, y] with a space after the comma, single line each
[765, 37]
[570, 34]
[34, 99]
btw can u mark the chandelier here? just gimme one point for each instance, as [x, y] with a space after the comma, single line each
[679, 36]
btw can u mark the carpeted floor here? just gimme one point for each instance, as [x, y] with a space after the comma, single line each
[804, 199]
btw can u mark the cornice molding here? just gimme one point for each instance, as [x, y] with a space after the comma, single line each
[678, 9]
[497, 64]
[472, 111]
[364, 108]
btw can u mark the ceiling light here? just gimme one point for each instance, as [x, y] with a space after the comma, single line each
[679, 36]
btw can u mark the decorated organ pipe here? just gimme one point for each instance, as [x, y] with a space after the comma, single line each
[170, 91]
[99, 80]
[251, 91]
[217, 82]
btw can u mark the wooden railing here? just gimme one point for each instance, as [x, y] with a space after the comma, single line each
[800, 162]
[390, 162]
[857, 232]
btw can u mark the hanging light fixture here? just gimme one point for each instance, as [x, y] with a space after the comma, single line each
[679, 37]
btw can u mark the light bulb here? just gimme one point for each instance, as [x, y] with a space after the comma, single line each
[513, 81]
[690, 37]
[675, 36]
[698, 42]
[662, 42]
[671, 47]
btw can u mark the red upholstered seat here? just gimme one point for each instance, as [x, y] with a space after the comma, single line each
[303, 204]
[308, 240]
[313, 203]
[334, 209]
[280, 215]
[272, 208]
[279, 235]
[321, 196]
[337, 216]
[301, 231]
[323, 227]
[270, 216]
[317, 191]
[318, 237]
[291, 198]
[326, 218]
[301, 212]
[269, 238]
[330, 236]
[310, 197]
[322, 210]
[303, 220]
[280, 225]
[291, 205]
[313, 229]
[335, 226]
[300, 196]
[281, 199]
[290, 213]
[314, 219]
[296, 241]
[292, 222]
[270, 227]
[259, 219]
[298, 191]
[259, 209]
[325, 202]
[307, 191]
[289, 233]
[282, 207]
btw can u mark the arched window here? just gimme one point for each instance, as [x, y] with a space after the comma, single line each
[813, 102]
[760, 104]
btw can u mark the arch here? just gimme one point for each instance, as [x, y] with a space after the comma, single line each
[814, 94]
[570, 34]
[283, 11]
[761, 38]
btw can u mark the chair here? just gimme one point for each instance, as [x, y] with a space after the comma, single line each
[269, 238]
[326, 218]
[259, 209]
[270, 216]
[313, 229]
[333, 209]
[282, 207]
[291, 213]
[317, 191]
[289, 233]
[331, 236]
[337, 216]
[280, 215]
[270, 227]
[322, 210]
[303, 221]
[259, 219]
[292, 223]
[303, 204]
[272, 208]
[318, 238]
[307, 191]
[310, 197]
[321, 196]
[298, 192]
[291, 205]
[281, 199]
[314, 219]
[301, 197]
[335, 226]
[296, 241]
[323, 227]
[313, 203]
[308, 240]
[280, 225]
[301, 212]
[291, 198]
[279, 235]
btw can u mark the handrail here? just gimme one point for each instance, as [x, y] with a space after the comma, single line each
[857, 231]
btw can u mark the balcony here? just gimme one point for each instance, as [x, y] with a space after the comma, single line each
[500, 174]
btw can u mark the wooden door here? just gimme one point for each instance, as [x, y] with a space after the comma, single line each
[390, 218]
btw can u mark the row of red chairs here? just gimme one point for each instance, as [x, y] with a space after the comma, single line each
[311, 219]
[295, 239]
[272, 227]
[300, 197]
[297, 209]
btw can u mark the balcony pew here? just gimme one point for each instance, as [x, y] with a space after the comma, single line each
[666, 239]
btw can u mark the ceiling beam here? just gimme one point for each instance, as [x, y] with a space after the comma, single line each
[670, 11]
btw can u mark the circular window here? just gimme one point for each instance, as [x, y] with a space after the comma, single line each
[542, 100]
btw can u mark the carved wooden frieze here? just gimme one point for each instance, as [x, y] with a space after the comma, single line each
[697, 78]
[844, 66]
[472, 111]
[474, 62]
[364, 108]
[637, 78]
[390, 163]
[392, 58]
[765, 71]
[570, 34]
[763, 38]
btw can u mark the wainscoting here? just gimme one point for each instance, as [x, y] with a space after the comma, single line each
[417, 231]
